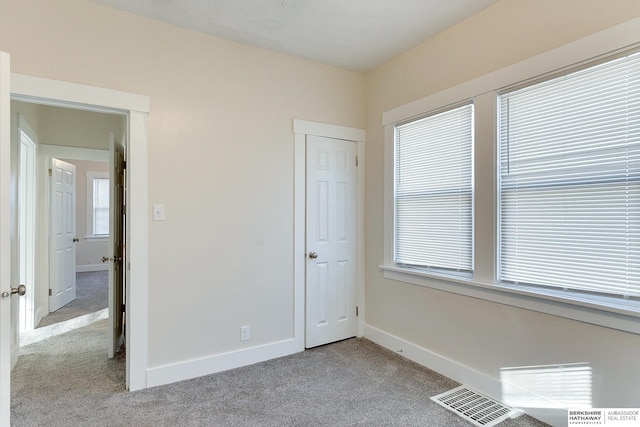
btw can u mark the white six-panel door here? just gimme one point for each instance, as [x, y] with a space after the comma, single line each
[63, 234]
[332, 240]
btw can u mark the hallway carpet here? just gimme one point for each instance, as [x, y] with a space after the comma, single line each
[91, 295]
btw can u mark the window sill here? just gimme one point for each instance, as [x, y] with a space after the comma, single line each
[96, 238]
[616, 313]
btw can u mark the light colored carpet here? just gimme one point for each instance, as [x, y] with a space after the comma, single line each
[63, 378]
[67, 381]
[91, 295]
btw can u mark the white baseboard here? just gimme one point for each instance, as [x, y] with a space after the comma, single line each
[447, 367]
[91, 267]
[220, 362]
[463, 374]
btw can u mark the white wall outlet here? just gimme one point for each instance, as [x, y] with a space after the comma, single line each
[245, 333]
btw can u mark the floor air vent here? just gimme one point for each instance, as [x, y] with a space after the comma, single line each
[474, 407]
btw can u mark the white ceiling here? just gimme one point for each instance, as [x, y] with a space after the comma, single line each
[357, 35]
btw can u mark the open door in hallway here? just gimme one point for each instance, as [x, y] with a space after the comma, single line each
[62, 280]
[116, 244]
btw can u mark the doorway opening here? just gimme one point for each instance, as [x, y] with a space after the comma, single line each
[42, 91]
[71, 148]
[135, 108]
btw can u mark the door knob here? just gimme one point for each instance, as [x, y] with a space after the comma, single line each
[20, 290]
[313, 255]
[75, 240]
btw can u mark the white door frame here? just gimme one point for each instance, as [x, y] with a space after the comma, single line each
[136, 108]
[5, 242]
[302, 128]
[27, 220]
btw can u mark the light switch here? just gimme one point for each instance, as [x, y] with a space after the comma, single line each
[158, 212]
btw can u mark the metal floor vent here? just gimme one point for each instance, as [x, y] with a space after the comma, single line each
[474, 407]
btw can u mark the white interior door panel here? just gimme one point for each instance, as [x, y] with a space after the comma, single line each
[63, 235]
[332, 240]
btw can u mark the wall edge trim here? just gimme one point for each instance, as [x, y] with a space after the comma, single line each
[457, 371]
[220, 362]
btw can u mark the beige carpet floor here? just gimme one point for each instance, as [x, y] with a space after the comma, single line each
[91, 295]
[65, 379]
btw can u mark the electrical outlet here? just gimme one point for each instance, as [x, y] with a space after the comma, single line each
[245, 333]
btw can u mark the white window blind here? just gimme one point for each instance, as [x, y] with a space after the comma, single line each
[433, 191]
[570, 181]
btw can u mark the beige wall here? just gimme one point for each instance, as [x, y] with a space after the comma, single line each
[220, 160]
[70, 127]
[77, 128]
[31, 113]
[482, 335]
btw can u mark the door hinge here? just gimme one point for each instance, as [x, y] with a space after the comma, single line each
[50, 292]
[50, 172]
[356, 311]
[124, 165]
[356, 160]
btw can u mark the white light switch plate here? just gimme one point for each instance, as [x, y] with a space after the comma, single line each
[158, 212]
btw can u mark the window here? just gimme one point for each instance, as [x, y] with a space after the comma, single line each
[570, 181]
[97, 204]
[433, 191]
[554, 224]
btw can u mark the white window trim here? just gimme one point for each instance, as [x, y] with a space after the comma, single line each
[89, 236]
[611, 312]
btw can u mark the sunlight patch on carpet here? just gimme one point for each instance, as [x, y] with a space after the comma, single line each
[45, 332]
